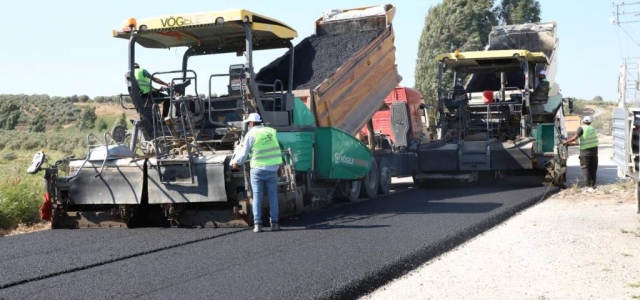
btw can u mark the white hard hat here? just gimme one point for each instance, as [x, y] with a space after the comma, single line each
[543, 72]
[587, 119]
[253, 117]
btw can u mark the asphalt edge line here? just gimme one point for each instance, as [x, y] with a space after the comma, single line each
[376, 279]
[121, 258]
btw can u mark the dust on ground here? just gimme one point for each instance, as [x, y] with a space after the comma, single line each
[579, 244]
[43, 225]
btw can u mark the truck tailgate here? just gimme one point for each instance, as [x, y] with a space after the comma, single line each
[344, 71]
[349, 98]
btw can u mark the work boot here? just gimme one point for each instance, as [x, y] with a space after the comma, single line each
[275, 226]
[257, 228]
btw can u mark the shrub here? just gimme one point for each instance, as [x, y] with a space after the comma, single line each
[10, 156]
[20, 200]
[102, 125]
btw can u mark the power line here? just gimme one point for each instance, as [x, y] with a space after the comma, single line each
[629, 35]
[630, 65]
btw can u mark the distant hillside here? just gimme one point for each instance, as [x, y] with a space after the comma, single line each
[19, 112]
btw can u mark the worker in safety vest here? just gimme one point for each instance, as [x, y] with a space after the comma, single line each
[144, 79]
[261, 145]
[542, 76]
[588, 150]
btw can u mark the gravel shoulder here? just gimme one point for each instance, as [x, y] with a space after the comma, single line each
[575, 245]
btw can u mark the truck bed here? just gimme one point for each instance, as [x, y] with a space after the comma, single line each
[536, 37]
[344, 71]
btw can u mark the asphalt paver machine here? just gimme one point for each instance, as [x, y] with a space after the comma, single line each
[175, 168]
[502, 124]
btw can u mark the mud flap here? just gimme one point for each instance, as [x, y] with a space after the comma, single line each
[400, 123]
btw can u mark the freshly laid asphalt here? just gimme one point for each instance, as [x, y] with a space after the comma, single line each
[337, 253]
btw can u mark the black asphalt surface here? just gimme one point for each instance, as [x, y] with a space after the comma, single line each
[316, 59]
[48, 253]
[338, 253]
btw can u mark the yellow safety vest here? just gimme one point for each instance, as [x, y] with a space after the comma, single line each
[589, 137]
[266, 149]
[143, 82]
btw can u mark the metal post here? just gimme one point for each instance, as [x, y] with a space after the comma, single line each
[371, 138]
[503, 82]
[440, 109]
[291, 60]
[135, 89]
[250, 76]
[637, 196]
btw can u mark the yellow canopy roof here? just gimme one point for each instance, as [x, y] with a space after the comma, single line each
[491, 58]
[222, 30]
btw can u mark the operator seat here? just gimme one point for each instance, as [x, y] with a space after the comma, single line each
[541, 92]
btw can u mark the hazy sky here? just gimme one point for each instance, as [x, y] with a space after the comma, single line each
[65, 47]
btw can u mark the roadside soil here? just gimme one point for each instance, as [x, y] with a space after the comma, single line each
[577, 244]
[43, 225]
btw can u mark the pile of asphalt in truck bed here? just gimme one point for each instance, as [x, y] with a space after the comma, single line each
[316, 59]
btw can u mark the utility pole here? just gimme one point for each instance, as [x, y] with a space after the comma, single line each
[623, 90]
[629, 77]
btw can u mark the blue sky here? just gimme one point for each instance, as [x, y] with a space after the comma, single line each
[65, 47]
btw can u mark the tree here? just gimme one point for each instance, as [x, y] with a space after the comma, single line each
[38, 124]
[598, 99]
[450, 25]
[74, 98]
[83, 98]
[102, 125]
[87, 118]
[518, 11]
[121, 121]
[99, 99]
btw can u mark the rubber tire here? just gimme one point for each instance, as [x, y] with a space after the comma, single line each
[353, 193]
[118, 133]
[369, 184]
[384, 174]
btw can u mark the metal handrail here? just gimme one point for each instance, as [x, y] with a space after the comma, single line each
[183, 78]
[122, 101]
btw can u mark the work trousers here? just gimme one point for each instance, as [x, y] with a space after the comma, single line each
[267, 180]
[165, 103]
[589, 165]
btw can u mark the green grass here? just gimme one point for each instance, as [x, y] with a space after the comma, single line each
[21, 194]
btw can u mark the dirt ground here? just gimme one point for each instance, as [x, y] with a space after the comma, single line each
[43, 225]
[576, 245]
[108, 109]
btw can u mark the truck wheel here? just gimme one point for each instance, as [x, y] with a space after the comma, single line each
[369, 184]
[384, 172]
[354, 190]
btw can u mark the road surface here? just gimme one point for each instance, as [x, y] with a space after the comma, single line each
[340, 252]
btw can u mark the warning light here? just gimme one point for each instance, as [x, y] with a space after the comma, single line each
[456, 53]
[132, 22]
